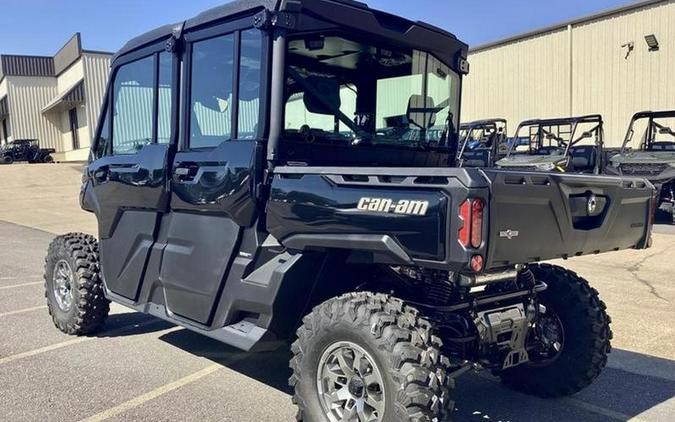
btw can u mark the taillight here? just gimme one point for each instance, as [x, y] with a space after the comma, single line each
[477, 207]
[471, 213]
[465, 216]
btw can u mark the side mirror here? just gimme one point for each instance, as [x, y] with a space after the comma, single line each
[421, 111]
[324, 98]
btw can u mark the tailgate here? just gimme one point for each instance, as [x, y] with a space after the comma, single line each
[540, 216]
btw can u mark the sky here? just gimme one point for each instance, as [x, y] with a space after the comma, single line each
[41, 27]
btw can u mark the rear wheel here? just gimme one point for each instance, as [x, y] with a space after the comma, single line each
[48, 159]
[7, 159]
[569, 343]
[369, 357]
[73, 287]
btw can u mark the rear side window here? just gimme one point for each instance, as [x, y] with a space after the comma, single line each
[133, 104]
[211, 91]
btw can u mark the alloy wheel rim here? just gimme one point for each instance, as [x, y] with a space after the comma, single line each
[63, 283]
[350, 385]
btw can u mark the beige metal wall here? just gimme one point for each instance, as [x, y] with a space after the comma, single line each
[27, 96]
[530, 78]
[96, 70]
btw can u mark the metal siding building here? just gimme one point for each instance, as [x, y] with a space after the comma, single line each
[578, 67]
[55, 99]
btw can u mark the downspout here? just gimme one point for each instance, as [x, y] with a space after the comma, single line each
[571, 74]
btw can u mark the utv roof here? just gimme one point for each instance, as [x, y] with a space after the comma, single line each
[654, 114]
[355, 14]
[563, 120]
[481, 122]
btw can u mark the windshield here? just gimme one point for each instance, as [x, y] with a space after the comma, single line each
[542, 138]
[341, 91]
[652, 134]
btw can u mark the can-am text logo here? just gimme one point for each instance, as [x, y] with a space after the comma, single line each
[403, 206]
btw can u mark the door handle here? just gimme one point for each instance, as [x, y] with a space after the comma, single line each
[185, 173]
[102, 174]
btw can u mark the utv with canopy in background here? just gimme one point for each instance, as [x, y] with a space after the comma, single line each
[285, 171]
[573, 145]
[653, 157]
[482, 143]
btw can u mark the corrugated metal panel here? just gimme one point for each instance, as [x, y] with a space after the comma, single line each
[523, 80]
[96, 71]
[530, 77]
[27, 96]
[27, 65]
[609, 83]
[72, 97]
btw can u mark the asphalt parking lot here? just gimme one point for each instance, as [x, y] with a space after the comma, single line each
[141, 368]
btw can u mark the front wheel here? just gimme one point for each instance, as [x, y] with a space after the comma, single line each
[569, 342]
[369, 357]
[7, 159]
[73, 287]
[48, 159]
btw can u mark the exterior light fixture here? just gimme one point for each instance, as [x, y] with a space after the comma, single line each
[652, 42]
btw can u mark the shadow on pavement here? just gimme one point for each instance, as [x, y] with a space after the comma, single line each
[631, 385]
[131, 324]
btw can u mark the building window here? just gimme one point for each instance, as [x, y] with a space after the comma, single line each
[211, 91]
[133, 103]
[72, 117]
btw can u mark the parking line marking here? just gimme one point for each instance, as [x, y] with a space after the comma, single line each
[601, 410]
[153, 394]
[22, 311]
[13, 286]
[20, 278]
[77, 340]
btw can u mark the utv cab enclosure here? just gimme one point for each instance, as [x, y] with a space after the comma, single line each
[284, 171]
[572, 145]
[482, 143]
[653, 157]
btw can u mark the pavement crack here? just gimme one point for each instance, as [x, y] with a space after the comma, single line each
[635, 268]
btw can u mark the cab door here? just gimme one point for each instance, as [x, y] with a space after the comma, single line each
[215, 170]
[127, 182]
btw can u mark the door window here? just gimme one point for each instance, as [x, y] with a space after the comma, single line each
[249, 84]
[211, 91]
[165, 98]
[133, 103]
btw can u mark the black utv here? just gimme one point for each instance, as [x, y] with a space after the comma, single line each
[573, 145]
[253, 181]
[482, 143]
[25, 150]
[653, 157]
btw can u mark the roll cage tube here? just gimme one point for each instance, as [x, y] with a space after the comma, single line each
[649, 133]
[540, 124]
[478, 125]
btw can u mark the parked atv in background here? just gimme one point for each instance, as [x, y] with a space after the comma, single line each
[482, 143]
[25, 150]
[290, 205]
[654, 157]
[573, 145]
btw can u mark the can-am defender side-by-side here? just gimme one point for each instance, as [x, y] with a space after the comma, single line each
[573, 145]
[252, 182]
[25, 150]
[482, 143]
[654, 157]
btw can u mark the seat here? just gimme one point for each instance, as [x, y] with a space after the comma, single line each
[476, 158]
[584, 158]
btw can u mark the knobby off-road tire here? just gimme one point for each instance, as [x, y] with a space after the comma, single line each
[414, 373]
[7, 159]
[586, 337]
[77, 253]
